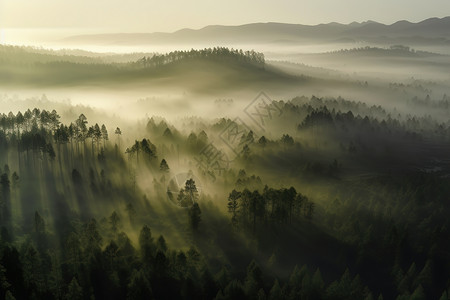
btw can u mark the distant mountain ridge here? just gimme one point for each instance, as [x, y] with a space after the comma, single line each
[435, 30]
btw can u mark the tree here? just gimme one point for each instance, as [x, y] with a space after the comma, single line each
[233, 291]
[317, 286]
[195, 215]
[168, 134]
[298, 204]
[32, 268]
[118, 132]
[111, 253]
[91, 237]
[131, 212]
[5, 213]
[28, 115]
[161, 244]
[148, 148]
[160, 264]
[4, 235]
[19, 122]
[54, 120]
[296, 278]
[202, 139]
[4, 284]
[61, 135]
[81, 128]
[39, 223]
[9, 296]
[50, 151]
[13, 270]
[275, 291]
[233, 205]
[183, 199]
[309, 209]
[424, 278]
[114, 220]
[104, 132]
[252, 207]
[253, 280]
[74, 291]
[192, 141]
[250, 138]
[139, 287]
[146, 243]
[91, 135]
[191, 190]
[181, 264]
[287, 202]
[262, 142]
[445, 296]
[418, 294]
[126, 249]
[261, 295]
[287, 140]
[405, 285]
[209, 285]
[246, 152]
[163, 166]
[73, 252]
[97, 134]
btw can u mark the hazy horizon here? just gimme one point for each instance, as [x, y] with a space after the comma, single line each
[41, 21]
[169, 16]
[56, 38]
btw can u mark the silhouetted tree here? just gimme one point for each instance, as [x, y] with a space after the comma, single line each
[195, 215]
[74, 291]
[163, 166]
[233, 206]
[114, 220]
[146, 243]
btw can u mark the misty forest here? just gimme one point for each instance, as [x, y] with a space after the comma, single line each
[235, 166]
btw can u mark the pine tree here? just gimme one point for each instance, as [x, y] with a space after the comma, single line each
[74, 292]
[139, 287]
[163, 166]
[161, 244]
[114, 220]
[275, 291]
[195, 215]
[233, 206]
[146, 243]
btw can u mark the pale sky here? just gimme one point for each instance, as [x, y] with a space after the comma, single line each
[171, 15]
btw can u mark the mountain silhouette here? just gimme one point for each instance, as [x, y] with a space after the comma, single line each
[431, 30]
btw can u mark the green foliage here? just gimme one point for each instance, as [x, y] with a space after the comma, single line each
[273, 206]
[275, 291]
[390, 231]
[161, 244]
[194, 213]
[253, 281]
[418, 294]
[217, 53]
[74, 291]
[139, 287]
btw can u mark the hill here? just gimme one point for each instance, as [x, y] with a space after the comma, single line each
[434, 30]
[196, 69]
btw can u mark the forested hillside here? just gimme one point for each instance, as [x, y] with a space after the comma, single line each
[222, 67]
[84, 213]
